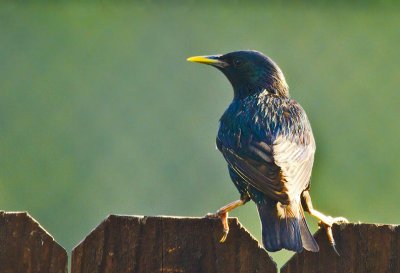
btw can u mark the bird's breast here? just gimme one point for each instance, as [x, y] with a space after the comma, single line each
[261, 118]
[247, 120]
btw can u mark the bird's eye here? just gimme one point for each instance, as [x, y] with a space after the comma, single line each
[237, 62]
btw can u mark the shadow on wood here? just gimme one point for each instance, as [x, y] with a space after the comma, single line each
[169, 244]
[25, 247]
[362, 247]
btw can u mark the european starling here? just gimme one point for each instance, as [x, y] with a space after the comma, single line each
[267, 141]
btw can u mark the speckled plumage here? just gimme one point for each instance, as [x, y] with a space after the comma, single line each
[264, 118]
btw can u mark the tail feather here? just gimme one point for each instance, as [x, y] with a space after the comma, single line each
[285, 227]
[307, 239]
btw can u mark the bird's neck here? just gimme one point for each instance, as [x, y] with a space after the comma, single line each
[275, 87]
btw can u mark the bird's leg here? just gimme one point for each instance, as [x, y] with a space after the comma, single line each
[222, 214]
[326, 221]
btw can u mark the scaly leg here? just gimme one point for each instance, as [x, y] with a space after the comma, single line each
[326, 221]
[222, 214]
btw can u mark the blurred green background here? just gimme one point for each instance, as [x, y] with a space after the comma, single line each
[100, 113]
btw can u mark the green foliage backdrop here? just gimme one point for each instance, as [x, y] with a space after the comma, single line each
[100, 113]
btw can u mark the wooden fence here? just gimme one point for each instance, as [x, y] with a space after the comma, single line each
[122, 244]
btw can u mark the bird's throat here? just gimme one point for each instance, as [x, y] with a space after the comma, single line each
[242, 92]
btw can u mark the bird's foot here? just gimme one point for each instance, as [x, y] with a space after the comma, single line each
[224, 219]
[327, 223]
[212, 215]
[222, 214]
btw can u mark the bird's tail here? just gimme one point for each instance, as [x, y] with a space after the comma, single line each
[284, 226]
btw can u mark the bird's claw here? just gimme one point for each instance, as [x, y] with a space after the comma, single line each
[340, 220]
[334, 249]
[329, 221]
[224, 219]
[224, 236]
[212, 215]
[327, 224]
[331, 240]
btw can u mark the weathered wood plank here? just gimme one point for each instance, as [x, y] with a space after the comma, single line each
[25, 247]
[363, 248]
[168, 244]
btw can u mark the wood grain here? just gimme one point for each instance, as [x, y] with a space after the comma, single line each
[169, 244]
[25, 247]
[363, 248]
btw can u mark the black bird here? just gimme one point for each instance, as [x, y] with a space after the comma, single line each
[267, 141]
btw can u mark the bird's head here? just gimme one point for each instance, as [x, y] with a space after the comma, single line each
[250, 72]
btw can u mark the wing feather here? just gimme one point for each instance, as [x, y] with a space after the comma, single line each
[268, 183]
[275, 152]
[295, 160]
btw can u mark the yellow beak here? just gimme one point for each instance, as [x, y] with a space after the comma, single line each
[212, 60]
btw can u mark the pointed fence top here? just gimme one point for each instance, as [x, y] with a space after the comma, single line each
[169, 244]
[26, 247]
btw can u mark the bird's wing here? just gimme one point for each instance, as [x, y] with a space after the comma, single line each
[295, 158]
[254, 163]
[281, 170]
